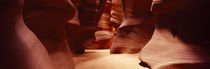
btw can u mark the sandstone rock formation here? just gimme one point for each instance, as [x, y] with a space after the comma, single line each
[116, 13]
[81, 32]
[104, 33]
[37, 34]
[20, 48]
[136, 29]
[181, 38]
[47, 19]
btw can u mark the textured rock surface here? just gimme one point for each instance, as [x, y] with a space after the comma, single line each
[89, 13]
[116, 13]
[181, 38]
[47, 19]
[20, 48]
[104, 33]
[88, 22]
[74, 31]
[136, 29]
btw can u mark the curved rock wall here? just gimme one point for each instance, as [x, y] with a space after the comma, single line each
[20, 48]
[136, 29]
[47, 19]
[180, 40]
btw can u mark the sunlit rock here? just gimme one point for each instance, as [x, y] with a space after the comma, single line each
[181, 38]
[136, 29]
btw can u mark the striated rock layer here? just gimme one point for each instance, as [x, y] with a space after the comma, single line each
[88, 15]
[116, 13]
[136, 29]
[104, 31]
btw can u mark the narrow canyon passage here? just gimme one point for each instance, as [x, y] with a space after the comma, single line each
[104, 34]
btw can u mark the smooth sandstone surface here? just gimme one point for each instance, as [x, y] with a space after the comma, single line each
[136, 29]
[180, 40]
[20, 48]
[47, 20]
[101, 59]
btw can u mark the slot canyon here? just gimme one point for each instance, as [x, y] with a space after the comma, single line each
[105, 34]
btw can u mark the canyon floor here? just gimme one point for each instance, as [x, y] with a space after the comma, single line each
[101, 59]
